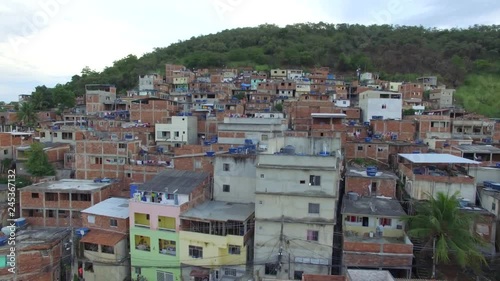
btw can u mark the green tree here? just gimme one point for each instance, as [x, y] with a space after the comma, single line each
[38, 163]
[27, 114]
[440, 224]
[278, 107]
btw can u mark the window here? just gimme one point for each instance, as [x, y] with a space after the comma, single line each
[90, 247]
[297, 275]
[195, 252]
[50, 213]
[312, 235]
[50, 196]
[230, 272]
[314, 180]
[91, 219]
[353, 219]
[164, 276]
[234, 250]
[113, 222]
[225, 167]
[373, 187]
[96, 160]
[197, 164]
[493, 206]
[261, 176]
[264, 137]
[129, 175]
[138, 270]
[225, 188]
[122, 145]
[44, 253]
[385, 221]
[271, 269]
[6, 151]
[107, 249]
[89, 266]
[35, 195]
[302, 182]
[360, 147]
[313, 208]
[55, 135]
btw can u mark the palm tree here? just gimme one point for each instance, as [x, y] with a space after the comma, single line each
[442, 225]
[27, 114]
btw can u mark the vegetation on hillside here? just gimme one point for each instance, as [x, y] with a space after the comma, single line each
[38, 163]
[396, 52]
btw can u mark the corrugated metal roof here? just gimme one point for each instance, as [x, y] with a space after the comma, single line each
[435, 158]
[221, 211]
[183, 182]
[111, 207]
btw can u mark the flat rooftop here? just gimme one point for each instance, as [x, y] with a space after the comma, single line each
[376, 206]
[221, 211]
[175, 181]
[361, 172]
[39, 238]
[328, 115]
[111, 207]
[435, 158]
[471, 148]
[66, 185]
[372, 275]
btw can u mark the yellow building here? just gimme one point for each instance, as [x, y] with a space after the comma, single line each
[216, 240]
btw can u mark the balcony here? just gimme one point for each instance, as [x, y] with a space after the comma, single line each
[141, 220]
[167, 247]
[142, 243]
[166, 223]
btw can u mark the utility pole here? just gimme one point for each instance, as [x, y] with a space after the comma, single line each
[281, 244]
[434, 258]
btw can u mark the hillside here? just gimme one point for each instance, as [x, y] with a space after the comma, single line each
[401, 53]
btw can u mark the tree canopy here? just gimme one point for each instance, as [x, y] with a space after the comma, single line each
[393, 51]
[441, 218]
[38, 163]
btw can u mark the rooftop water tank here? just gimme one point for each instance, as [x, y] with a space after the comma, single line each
[495, 186]
[133, 190]
[3, 240]
[368, 139]
[20, 222]
[81, 231]
[289, 150]
[210, 153]
[233, 150]
[8, 229]
[353, 196]
[371, 171]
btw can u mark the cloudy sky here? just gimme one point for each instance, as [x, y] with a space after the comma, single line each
[48, 41]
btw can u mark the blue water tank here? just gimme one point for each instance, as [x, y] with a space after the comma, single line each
[324, 153]
[371, 171]
[20, 222]
[495, 186]
[233, 150]
[487, 183]
[81, 231]
[133, 190]
[248, 141]
[210, 153]
[368, 139]
[416, 152]
[3, 240]
[497, 165]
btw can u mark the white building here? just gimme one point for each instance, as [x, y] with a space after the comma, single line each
[146, 82]
[234, 178]
[293, 74]
[389, 105]
[260, 129]
[295, 205]
[342, 103]
[181, 130]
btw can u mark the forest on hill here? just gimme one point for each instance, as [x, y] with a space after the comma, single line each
[467, 59]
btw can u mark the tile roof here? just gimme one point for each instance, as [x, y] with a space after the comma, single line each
[102, 237]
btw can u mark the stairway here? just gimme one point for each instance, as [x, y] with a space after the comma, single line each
[424, 264]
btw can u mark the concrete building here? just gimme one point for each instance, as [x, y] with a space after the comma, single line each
[442, 98]
[474, 128]
[429, 173]
[216, 241]
[104, 249]
[278, 74]
[155, 221]
[488, 155]
[236, 130]
[99, 98]
[374, 235]
[234, 178]
[490, 201]
[374, 104]
[293, 74]
[296, 200]
[147, 81]
[40, 254]
[180, 130]
[59, 203]
[383, 183]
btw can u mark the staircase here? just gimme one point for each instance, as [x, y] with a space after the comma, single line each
[423, 264]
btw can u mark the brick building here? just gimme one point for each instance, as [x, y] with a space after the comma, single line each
[383, 183]
[40, 255]
[99, 98]
[374, 235]
[152, 110]
[59, 203]
[394, 129]
[104, 249]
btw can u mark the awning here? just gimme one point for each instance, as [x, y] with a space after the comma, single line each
[199, 272]
[101, 237]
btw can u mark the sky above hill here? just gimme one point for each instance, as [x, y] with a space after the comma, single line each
[48, 41]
